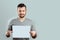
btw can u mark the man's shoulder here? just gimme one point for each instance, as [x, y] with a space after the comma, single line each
[12, 19]
[31, 21]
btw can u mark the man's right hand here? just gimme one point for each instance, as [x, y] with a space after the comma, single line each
[8, 33]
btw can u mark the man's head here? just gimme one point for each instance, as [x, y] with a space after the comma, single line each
[21, 8]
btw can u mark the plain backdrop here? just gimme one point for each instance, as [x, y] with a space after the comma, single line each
[45, 14]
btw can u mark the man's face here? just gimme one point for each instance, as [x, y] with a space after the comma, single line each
[21, 12]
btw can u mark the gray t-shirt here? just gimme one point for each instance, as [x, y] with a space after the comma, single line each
[17, 22]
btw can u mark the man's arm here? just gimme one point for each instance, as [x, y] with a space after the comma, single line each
[33, 30]
[9, 31]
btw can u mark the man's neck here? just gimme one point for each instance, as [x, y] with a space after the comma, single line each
[22, 19]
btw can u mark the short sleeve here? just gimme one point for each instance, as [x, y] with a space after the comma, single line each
[33, 27]
[10, 25]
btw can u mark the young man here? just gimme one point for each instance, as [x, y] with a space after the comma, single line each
[21, 20]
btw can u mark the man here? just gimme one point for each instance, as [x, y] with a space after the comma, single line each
[21, 20]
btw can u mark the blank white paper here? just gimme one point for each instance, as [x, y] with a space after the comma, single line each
[21, 31]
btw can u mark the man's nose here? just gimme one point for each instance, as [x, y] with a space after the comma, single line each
[21, 12]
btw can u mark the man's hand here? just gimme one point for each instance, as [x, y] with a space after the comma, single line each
[33, 34]
[8, 33]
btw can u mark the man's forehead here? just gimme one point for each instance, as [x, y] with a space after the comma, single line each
[21, 8]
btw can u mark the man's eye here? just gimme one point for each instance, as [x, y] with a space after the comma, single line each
[19, 10]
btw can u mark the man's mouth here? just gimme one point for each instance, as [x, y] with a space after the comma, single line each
[21, 14]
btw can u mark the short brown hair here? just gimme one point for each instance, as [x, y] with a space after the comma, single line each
[21, 5]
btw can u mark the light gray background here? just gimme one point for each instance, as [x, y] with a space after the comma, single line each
[45, 14]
